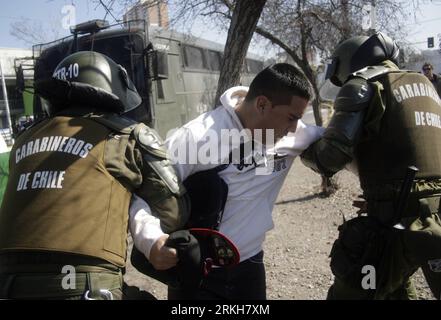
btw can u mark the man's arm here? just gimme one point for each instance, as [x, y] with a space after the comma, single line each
[137, 159]
[161, 188]
[295, 143]
[148, 236]
[336, 148]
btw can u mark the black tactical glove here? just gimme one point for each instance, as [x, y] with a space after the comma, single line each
[189, 270]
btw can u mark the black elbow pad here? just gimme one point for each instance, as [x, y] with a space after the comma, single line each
[336, 148]
[325, 157]
[350, 107]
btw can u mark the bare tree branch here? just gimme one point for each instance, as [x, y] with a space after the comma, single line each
[33, 32]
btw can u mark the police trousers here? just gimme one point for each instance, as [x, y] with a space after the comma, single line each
[52, 276]
[372, 261]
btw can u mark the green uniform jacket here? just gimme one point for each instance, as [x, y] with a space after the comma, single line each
[71, 179]
[383, 123]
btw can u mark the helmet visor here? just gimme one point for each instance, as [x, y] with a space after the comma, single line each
[331, 69]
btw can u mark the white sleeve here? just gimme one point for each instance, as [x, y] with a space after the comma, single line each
[295, 143]
[144, 227]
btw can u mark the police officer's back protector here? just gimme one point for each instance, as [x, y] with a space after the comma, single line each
[60, 197]
[410, 132]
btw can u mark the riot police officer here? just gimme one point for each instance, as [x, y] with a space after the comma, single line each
[64, 218]
[385, 120]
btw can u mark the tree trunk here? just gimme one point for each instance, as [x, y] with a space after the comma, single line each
[317, 100]
[246, 14]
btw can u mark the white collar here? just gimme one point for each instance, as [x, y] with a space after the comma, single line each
[231, 99]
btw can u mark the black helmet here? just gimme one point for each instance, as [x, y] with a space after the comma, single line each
[92, 79]
[359, 52]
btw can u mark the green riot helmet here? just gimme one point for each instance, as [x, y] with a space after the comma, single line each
[92, 79]
[359, 52]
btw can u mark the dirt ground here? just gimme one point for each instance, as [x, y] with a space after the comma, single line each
[297, 249]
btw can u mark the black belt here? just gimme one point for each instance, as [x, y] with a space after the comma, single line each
[384, 210]
[41, 286]
[44, 261]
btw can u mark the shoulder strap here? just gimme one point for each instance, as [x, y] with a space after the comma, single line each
[114, 122]
[372, 73]
[208, 194]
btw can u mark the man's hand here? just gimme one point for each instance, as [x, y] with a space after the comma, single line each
[162, 257]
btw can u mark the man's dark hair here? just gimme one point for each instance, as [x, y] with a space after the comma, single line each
[279, 83]
[427, 65]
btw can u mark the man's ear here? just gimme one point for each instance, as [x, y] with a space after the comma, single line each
[261, 103]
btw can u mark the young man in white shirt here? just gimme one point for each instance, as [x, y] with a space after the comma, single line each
[265, 116]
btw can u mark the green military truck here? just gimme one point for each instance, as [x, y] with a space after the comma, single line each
[175, 74]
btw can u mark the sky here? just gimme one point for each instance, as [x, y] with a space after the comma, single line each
[53, 14]
[427, 24]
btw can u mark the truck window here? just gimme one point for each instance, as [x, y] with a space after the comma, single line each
[214, 60]
[194, 58]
